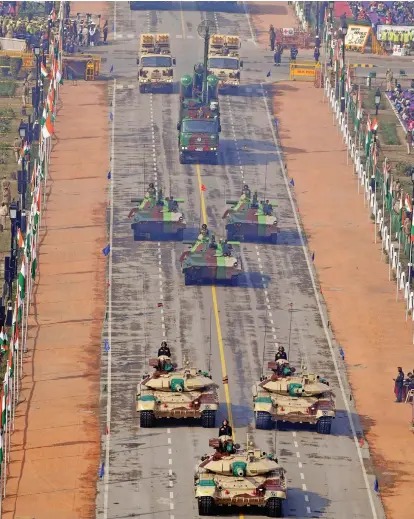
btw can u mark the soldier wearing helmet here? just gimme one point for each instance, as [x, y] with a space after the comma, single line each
[280, 354]
[151, 190]
[164, 350]
[246, 191]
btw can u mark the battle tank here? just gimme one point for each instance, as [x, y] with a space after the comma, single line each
[209, 261]
[239, 477]
[170, 392]
[297, 398]
[250, 219]
[157, 217]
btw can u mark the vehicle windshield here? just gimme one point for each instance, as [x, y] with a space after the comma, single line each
[156, 61]
[224, 63]
[194, 126]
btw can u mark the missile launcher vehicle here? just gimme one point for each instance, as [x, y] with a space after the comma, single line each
[208, 261]
[239, 477]
[156, 63]
[172, 392]
[296, 398]
[157, 217]
[250, 219]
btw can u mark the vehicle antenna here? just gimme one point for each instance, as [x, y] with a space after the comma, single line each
[209, 355]
[275, 442]
[265, 186]
[264, 346]
[145, 323]
[290, 327]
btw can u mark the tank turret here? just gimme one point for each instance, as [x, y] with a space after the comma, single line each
[239, 477]
[296, 398]
[251, 219]
[210, 260]
[172, 392]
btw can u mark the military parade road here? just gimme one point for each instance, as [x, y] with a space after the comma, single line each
[149, 472]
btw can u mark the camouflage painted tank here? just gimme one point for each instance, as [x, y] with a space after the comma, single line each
[176, 393]
[157, 217]
[208, 261]
[287, 397]
[250, 219]
[235, 477]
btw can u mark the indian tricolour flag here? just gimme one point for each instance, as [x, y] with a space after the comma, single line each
[4, 399]
[34, 262]
[374, 126]
[407, 203]
[20, 240]
[1, 448]
[43, 70]
[22, 279]
[368, 136]
[48, 129]
[53, 15]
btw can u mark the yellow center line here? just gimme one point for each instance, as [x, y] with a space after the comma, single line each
[216, 313]
[182, 19]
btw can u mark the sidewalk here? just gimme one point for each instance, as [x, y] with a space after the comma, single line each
[367, 322]
[55, 447]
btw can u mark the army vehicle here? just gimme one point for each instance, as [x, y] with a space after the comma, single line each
[155, 63]
[224, 60]
[235, 477]
[208, 261]
[250, 219]
[171, 392]
[199, 119]
[157, 217]
[296, 398]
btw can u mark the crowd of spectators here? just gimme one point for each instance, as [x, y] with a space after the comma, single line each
[403, 101]
[83, 31]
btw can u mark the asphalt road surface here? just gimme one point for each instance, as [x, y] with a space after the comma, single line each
[149, 473]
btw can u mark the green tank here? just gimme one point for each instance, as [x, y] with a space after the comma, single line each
[209, 261]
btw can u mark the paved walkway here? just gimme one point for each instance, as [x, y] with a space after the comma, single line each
[56, 444]
[367, 322]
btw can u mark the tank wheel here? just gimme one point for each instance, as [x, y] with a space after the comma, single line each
[205, 505]
[273, 238]
[146, 419]
[324, 425]
[208, 419]
[274, 507]
[263, 421]
[141, 89]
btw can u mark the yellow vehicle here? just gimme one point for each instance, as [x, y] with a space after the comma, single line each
[224, 60]
[155, 62]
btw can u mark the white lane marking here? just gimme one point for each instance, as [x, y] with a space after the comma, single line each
[308, 510]
[130, 36]
[190, 37]
[302, 475]
[307, 498]
[246, 12]
[170, 461]
[115, 20]
[171, 495]
[304, 487]
[296, 444]
[109, 368]
[324, 324]
[178, 35]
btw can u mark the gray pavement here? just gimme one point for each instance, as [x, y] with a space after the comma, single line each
[149, 473]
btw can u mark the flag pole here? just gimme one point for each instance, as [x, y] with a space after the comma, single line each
[5, 434]
[8, 404]
[398, 261]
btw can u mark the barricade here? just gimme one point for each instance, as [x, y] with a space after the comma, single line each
[303, 70]
[295, 37]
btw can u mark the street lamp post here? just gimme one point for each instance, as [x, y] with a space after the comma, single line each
[344, 30]
[22, 133]
[36, 51]
[377, 100]
[13, 217]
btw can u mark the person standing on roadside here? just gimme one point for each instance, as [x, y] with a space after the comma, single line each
[409, 141]
[105, 31]
[316, 54]
[399, 383]
[272, 37]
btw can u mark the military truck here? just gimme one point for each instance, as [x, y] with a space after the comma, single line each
[156, 63]
[199, 119]
[157, 217]
[296, 398]
[239, 477]
[250, 219]
[209, 261]
[172, 392]
[224, 60]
